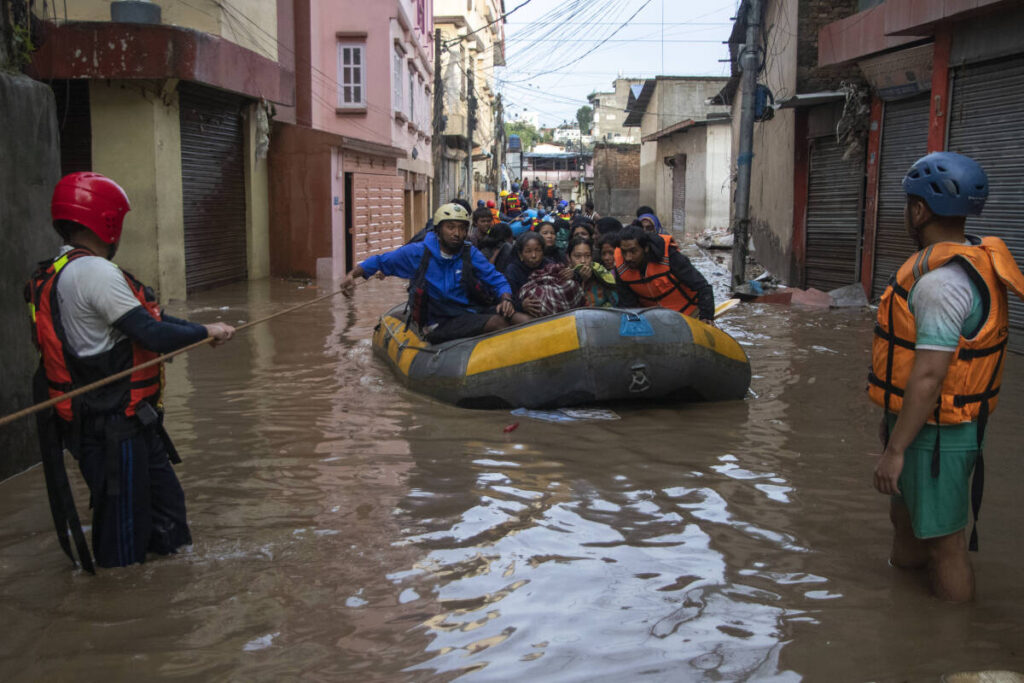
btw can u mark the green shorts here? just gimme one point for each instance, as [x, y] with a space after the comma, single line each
[938, 505]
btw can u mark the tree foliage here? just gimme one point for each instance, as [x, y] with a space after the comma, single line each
[585, 117]
[527, 133]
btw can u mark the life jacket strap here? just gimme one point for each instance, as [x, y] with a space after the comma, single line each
[890, 337]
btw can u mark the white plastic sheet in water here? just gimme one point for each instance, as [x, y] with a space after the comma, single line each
[567, 414]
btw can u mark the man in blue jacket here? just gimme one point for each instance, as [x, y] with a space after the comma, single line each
[454, 291]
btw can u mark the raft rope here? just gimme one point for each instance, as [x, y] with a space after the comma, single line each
[7, 419]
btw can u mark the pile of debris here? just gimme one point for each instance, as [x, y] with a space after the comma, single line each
[715, 238]
[767, 290]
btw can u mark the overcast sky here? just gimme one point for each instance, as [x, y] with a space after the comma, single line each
[540, 48]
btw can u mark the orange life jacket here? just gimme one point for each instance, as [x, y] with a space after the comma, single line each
[512, 202]
[495, 215]
[550, 193]
[971, 388]
[657, 286]
[64, 371]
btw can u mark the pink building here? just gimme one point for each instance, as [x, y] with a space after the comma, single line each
[350, 162]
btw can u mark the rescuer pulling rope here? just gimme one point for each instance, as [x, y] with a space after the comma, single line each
[100, 333]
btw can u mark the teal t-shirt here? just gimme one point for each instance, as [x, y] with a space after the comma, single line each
[946, 305]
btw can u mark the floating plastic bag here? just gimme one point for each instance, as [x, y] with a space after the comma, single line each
[567, 414]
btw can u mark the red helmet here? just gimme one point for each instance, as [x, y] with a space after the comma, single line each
[92, 200]
[490, 203]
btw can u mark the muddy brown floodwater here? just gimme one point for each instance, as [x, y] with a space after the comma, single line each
[348, 529]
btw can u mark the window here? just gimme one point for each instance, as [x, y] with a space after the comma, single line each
[412, 95]
[351, 75]
[397, 81]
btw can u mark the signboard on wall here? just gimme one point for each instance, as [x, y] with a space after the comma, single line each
[900, 74]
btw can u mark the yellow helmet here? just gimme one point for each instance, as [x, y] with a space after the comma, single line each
[504, 193]
[450, 212]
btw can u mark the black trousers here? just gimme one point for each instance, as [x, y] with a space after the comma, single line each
[138, 505]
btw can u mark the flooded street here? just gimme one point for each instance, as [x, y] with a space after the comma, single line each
[348, 529]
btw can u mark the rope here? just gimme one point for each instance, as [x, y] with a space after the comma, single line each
[7, 419]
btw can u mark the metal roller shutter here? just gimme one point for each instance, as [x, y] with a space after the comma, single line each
[834, 207]
[213, 186]
[987, 124]
[378, 213]
[904, 141]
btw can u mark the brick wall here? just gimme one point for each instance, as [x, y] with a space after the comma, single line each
[812, 16]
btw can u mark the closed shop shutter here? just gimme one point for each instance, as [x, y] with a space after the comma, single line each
[378, 213]
[213, 186]
[987, 124]
[679, 194]
[74, 122]
[904, 141]
[834, 201]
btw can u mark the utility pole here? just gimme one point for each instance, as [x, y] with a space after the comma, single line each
[748, 63]
[499, 142]
[437, 142]
[470, 128]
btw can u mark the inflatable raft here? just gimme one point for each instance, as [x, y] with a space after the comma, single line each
[589, 355]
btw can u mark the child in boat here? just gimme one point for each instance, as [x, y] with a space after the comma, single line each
[528, 256]
[605, 250]
[546, 229]
[598, 284]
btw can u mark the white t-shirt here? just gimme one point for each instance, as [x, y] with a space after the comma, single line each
[946, 305]
[92, 294]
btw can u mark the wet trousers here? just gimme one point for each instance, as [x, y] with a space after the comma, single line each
[138, 505]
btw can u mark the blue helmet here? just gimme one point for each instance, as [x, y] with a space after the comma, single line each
[950, 183]
[562, 204]
[515, 187]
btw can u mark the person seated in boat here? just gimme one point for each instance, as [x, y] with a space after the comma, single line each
[528, 256]
[600, 289]
[604, 250]
[546, 230]
[496, 245]
[482, 221]
[549, 287]
[582, 229]
[563, 233]
[650, 223]
[609, 225]
[659, 274]
[454, 291]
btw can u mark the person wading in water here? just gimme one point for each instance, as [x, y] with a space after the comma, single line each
[91, 320]
[937, 363]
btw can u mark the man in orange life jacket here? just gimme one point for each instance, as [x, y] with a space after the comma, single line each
[90, 320]
[658, 274]
[937, 362]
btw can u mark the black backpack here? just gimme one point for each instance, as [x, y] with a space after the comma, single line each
[476, 291]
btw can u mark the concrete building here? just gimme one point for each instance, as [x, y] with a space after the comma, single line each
[351, 160]
[806, 187]
[685, 151]
[176, 112]
[616, 180]
[943, 76]
[473, 40]
[691, 175]
[610, 113]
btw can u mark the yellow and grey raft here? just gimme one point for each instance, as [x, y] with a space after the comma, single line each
[589, 355]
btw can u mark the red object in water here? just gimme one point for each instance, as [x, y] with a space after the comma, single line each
[512, 427]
